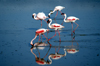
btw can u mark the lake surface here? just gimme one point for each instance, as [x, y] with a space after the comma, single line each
[17, 29]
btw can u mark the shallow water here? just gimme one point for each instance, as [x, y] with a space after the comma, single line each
[17, 28]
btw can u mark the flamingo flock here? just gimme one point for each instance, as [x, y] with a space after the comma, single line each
[41, 16]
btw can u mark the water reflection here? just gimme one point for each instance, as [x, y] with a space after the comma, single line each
[40, 46]
[73, 48]
[56, 55]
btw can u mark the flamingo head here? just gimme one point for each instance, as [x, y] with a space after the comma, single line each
[62, 13]
[47, 30]
[48, 21]
[33, 15]
[77, 18]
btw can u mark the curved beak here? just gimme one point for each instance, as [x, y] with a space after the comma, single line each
[32, 16]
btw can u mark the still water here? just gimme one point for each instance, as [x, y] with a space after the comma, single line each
[17, 29]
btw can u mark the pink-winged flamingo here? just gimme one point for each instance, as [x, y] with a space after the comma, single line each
[57, 8]
[71, 19]
[39, 32]
[54, 26]
[40, 16]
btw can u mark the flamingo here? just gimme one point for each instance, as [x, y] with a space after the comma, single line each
[57, 8]
[71, 19]
[39, 60]
[40, 16]
[56, 56]
[38, 33]
[54, 26]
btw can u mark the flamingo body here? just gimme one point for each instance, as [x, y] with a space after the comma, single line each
[39, 16]
[54, 25]
[57, 8]
[39, 32]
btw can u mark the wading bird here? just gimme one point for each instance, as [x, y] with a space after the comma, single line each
[57, 8]
[39, 32]
[54, 26]
[71, 19]
[40, 16]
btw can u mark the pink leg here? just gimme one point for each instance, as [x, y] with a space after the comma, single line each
[41, 23]
[72, 28]
[53, 36]
[39, 38]
[45, 37]
[76, 27]
[59, 35]
[56, 14]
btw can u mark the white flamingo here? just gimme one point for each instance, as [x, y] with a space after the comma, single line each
[71, 19]
[57, 8]
[38, 33]
[54, 26]
[40, 16]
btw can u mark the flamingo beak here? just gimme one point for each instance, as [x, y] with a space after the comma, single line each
[62, 13]
[32, 16]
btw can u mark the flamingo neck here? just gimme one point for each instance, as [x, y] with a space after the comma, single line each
[65, 18]
[35, 17]
[33, 40]
[50, 24]
[50, 59]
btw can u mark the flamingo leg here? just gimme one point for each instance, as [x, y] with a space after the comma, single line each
[53, 36]
[76, 27]
[41, 23]
[56, 15]
[59, 35]
[41, 38]
[72, 28]
[59, 47]
[45, 37]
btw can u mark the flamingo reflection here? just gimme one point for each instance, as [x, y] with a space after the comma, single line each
[73, 48]
[39, 60]
[56, 56]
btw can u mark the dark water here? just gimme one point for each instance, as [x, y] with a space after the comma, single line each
[17, 28]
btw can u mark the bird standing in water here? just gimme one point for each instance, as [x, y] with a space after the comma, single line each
[71, 19]
[39, 32]
[57, 8]
[54, 26]
[40, 16]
